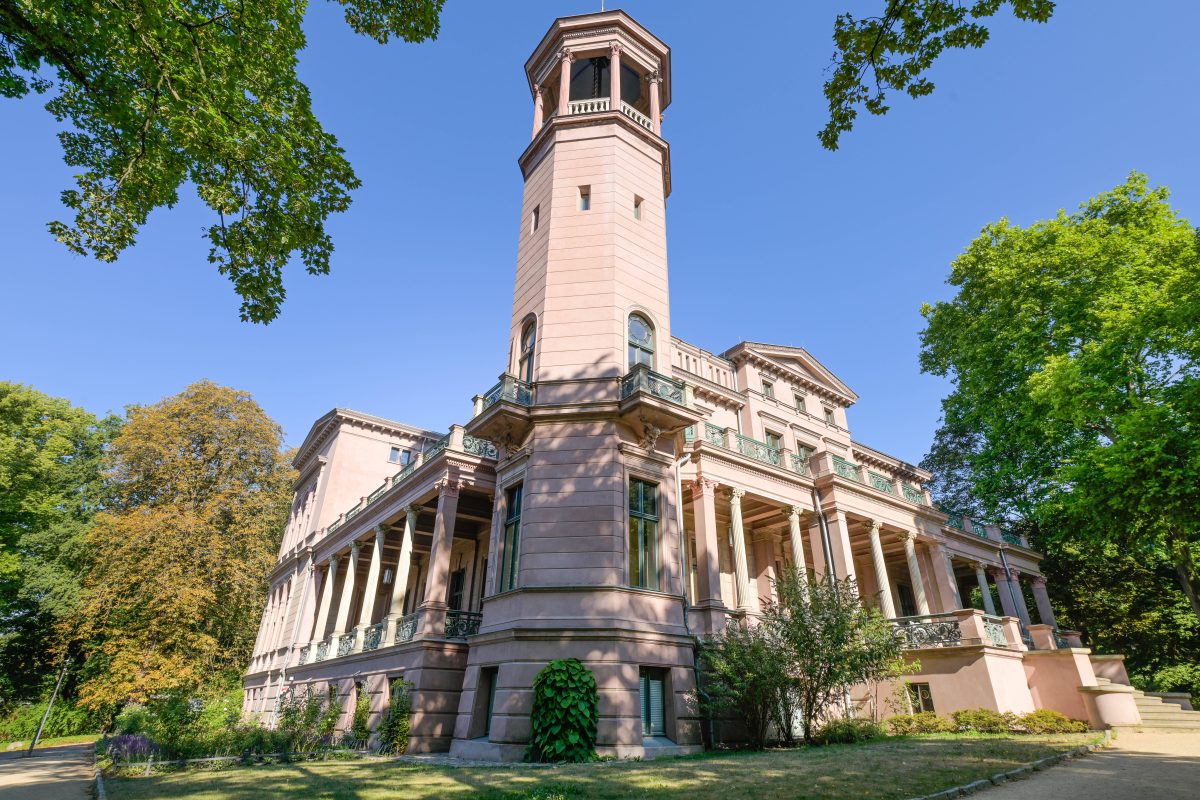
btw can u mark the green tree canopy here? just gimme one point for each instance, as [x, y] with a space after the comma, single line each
[50, 488]
[158, 93]
[895, 50]
[1073, 348]
[200, 491]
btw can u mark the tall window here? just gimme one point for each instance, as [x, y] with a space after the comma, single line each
[643, 534]
[768, 389]
[774, 440]
[641, 341]
[512, 540]
[528, 341]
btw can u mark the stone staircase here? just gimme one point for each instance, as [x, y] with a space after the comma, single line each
[1159, 715]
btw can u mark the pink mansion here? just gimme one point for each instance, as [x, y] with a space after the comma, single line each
[620, 491]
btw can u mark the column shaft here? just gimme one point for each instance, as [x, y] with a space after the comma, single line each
[796, 538]
[614, 77]
[538, 120]
[708, 565]
[326, 600]
[564, 82]
[372, 588]
[739, 550]
[656, 103]
[914, 572]
[1042, 598]
[343, 612]
[403, 563]
[1005, 592]
[883, 584]
[985, 591]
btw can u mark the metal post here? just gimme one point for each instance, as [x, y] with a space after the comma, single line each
[62, 674]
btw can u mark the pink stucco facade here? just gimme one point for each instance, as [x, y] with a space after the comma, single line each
[621, 491]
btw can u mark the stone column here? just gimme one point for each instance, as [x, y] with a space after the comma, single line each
[1022, 608]
[839, 543]
[1002, 588]
[881, 576]
[741, 568]
[614, 76]
[797, 541]
[433, 609]
[538, 120]
[326, 600]
[763, 581]
[564, 81]
[370, 590]
[708, 564]
[914, 571]
[943, 576]
[656, 102]
[343, 612]
[1038, 584]
[985, 591]
[403, 567]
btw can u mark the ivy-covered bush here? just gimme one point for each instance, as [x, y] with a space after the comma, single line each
[21, 722]
[564, 713]
[923, 722]
[359, 730]
[1046, 721]
[984, 720]
[848, 731]
[393, 729]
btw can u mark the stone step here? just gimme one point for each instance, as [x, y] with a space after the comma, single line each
[1167, 724]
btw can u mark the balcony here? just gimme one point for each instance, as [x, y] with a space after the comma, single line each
[599, 105]
[750, 448]
[502, 412]
[653, 401]
[461, 624]
[966, 626]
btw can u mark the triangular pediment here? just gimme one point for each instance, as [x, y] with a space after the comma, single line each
[799, 361]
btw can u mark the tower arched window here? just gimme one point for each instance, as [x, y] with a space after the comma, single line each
[641, 341]
[528, 342]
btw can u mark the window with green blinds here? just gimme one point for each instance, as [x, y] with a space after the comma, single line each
[650, 692]
[643, 534]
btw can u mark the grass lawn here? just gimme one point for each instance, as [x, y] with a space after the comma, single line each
[53, 742]
[892, 768]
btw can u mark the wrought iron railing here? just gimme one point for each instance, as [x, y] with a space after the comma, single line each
[954, 520]
[437, 447]
[1012, 538]
[799, 464]
[406, 628]
[405, 472]
[643, 379]
[759, 451]
[511, 390]
[880, 482]
[714, 434]
[305, 653]
[480, 447]
[461, 624]
[847, 469]
[1060, 641]
[322, 650]
[354, 511]
[375, 495]
[373, 636]
[345, 644]
[337, 523]
[929, 630]
[912, 494]
[993, 628]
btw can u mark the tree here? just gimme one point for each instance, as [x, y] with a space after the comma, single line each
[159, 93]
[1073, 350]
[899, 46]
[745, 676]
[200, 491]
[50, 489]
[831, 640]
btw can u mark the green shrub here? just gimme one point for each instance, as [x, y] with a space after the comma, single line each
[327, 723]
[848, 731]
[564, 716]
[393, 729]
[984, 720]
[1176, 678]
[359, 731]
[65, 719]
[923, 722]
[1047, 721]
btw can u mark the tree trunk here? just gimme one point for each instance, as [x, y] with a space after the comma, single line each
[1185, 567]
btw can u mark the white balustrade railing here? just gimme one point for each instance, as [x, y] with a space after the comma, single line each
[587, 106]
[636, 116]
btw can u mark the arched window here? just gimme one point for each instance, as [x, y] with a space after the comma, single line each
[641, 341]
[528, 340]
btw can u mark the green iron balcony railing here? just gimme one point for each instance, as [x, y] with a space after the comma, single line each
[643, 379]
[928, 630]
[461, 624]
[1012, 538]
[955, 520]
[759, 451]
[437, 447]
[373, 636]
[406, 628]
[912, 494]
[480, 447]
[993, 627]
[799, 464]
[847, 469]
[322, 651]
[345, 644]
[511, 390]
[881, 482]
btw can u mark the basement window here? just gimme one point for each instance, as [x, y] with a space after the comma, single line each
[920, 697]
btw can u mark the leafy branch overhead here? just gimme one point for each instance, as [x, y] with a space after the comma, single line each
[894, 52]
[158, 93]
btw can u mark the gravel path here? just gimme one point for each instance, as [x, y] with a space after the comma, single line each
[1143, 766]
[54, 773]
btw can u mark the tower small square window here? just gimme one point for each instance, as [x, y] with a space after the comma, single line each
[536, 219]
[637, 207]
[768, 389]
[585, 198]
[829, 416]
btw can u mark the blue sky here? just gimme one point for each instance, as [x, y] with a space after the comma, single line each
[771, 238]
